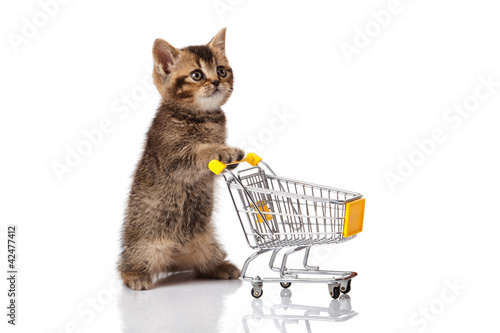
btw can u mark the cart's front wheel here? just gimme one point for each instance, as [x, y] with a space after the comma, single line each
[334, 291]
[285, 284]
[347, 289]
[257, 294]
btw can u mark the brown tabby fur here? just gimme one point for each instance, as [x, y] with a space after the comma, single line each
[168, 220]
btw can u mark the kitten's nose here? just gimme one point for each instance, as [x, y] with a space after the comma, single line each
[216, 83]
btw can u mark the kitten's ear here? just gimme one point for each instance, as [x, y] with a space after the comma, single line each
[164, 56]
[218, 43]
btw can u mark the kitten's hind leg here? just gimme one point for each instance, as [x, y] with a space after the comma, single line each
[141, 262]
[224, 271]
[208, 260]
[137, 280]
[133, 270]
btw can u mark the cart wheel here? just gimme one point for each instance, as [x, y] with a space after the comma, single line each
[347, 289]
[285, 284]
[257, 294]
[335, 292]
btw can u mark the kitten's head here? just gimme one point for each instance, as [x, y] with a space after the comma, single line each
[195, 77]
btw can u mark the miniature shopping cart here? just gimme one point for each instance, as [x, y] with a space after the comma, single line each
[277, 212]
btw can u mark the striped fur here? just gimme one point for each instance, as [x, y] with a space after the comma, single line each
[168, 219]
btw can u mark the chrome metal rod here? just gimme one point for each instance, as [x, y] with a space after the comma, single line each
[273, 258]
[285, 257]
[329, 280]
[343, 275]
[249, 259]
[306, 257]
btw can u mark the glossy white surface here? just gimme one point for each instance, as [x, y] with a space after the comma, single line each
[182, 304]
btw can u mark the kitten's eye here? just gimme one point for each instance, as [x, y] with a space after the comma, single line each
[221, 71]
[197, 75]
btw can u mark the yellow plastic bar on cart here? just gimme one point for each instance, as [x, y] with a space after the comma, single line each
[263, 208]
[217, 166]
[353, 220]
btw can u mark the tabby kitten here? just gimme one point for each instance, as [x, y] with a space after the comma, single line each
[168, 220]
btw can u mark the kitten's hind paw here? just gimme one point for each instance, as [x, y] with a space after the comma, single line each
[224, 271]
[137, 281]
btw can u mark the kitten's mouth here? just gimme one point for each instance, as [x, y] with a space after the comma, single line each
[215, 92]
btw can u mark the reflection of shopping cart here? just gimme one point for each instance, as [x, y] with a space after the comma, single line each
[288, 313]
[278, 212]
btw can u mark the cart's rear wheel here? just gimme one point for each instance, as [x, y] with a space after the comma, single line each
[347, 289]
[257, 294]
[335, 292]
[285, 284]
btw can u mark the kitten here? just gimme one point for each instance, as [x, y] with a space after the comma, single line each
[168, 220]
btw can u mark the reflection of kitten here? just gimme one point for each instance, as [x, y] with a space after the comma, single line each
[187, 305]
[167, 225]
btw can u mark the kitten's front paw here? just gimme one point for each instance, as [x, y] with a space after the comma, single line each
[230, 154]
[224, 271]
[137, 281]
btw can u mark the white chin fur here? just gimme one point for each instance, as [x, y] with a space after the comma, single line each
[210, 103]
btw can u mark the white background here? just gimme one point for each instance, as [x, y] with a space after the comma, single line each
[353, 119]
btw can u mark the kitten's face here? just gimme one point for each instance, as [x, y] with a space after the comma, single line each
[198, 78]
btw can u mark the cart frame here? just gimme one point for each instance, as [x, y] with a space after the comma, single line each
[278, 212]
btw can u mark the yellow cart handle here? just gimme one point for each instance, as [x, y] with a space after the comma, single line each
[217, 166]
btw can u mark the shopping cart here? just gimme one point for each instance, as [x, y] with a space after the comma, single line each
[277, 212]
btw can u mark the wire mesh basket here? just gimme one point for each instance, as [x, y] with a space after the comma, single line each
[281, 212]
